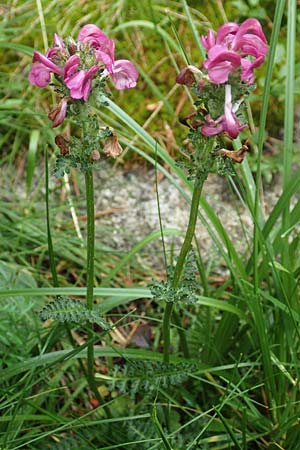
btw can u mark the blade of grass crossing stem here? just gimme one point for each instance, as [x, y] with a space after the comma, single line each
[159, 429]
[159, 214]
[286, 338]
[255, 304]
[49, 236]
[42, 22]
[180, 45]
[288, 132]
[193, 28]
[31, 157]
[228, 429]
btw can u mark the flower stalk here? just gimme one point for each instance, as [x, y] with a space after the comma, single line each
[90, 243]
[179, 268]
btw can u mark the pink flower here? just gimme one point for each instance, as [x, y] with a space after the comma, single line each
[220, 63]
[208, 41]
[58, 114]
[40, 73]
[248, 66]
[228, 122]
[97, 39]
[229, 47]
[124, 74]
[57, 50]
[80, 84]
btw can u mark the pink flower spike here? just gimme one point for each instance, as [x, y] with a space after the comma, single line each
[80, 84]
[58, 114]
[37, 56]
[39, 75]
[209, 40]
[124, 74]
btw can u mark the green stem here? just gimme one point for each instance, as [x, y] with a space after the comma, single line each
[90, 209]
[89, 186]
[179, 268]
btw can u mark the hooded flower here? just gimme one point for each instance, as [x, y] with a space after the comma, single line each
[124, 74]
[232, 47]
[58, 50]
[220, 63]
[40, 73]
[228, 122]
[80, 84]
[97, 39]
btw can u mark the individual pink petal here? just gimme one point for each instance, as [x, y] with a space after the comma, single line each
[54, 53]
[231, 124]
[248, 66]
[106, 53]
[226, 33]
[212, 127]
[250, 44]
[209, 40]
[57, 41]
[37, 56]
[124, 74]
[71, 66]
[251, 26]
[39, 75]
[87, 85]
[75, 83]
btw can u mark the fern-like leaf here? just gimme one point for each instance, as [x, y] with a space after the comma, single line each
[65, 309]
[147, 376]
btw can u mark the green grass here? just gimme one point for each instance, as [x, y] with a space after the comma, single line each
[239, 387]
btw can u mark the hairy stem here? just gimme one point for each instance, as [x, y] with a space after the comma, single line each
[179, 268]
[90, 209]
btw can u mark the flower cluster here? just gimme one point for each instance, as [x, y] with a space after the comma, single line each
[232, 55]
[76, 64]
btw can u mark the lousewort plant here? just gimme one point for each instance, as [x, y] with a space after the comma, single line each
[78, 71]
[221, 86]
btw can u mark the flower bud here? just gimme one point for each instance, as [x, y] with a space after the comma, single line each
[95, 155]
